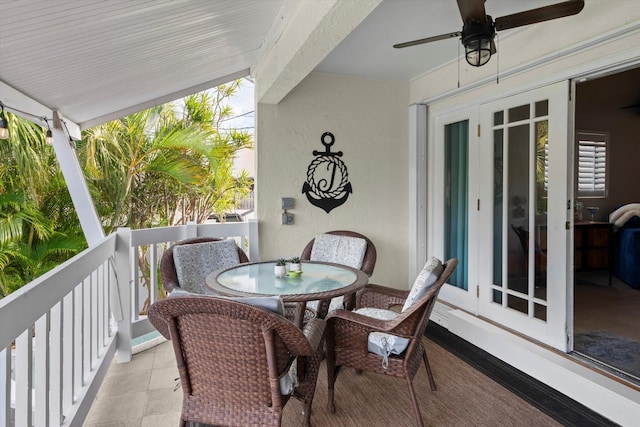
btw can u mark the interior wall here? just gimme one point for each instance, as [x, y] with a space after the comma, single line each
[600, 106]
[369, 120]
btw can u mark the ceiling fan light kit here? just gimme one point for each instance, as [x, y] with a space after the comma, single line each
[477, 39]
[479, 29]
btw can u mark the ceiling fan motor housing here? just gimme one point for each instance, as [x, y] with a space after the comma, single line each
[477, 38]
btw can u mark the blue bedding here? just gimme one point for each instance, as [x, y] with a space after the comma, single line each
[626, 253]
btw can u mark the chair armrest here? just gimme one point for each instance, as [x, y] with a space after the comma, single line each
[314, 332]
[367, 323]
[380, 297]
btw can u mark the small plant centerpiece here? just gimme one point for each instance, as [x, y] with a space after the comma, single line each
[280, 268]
[295, 264]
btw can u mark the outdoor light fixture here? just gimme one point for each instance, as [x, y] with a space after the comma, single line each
[479, 29]
[477, 39]
[4, 127]
[48, 136]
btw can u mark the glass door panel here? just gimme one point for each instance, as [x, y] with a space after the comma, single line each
[452, 201]
[456, 197]
[516, 168]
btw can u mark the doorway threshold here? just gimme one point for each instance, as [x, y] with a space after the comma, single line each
[611, 370]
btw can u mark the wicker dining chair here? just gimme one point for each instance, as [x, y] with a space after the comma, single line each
[370, 255]
[368, 264]
[168, 274]
[348, 336]
[231, 356]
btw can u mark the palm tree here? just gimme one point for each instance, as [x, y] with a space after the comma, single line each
[38, 225]
[163, 166]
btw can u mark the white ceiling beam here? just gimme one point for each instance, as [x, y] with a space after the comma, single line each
[77, 185]
[164, 99]
[311, 31]
[28, 108]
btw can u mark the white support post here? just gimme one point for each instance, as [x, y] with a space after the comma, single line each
[253, 240]
[76, 183]
[192, 229]
[417, 188]
[122, 299]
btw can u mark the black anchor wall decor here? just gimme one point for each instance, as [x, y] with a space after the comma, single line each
[327, 185]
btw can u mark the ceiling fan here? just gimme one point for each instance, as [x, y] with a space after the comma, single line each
[479, 29]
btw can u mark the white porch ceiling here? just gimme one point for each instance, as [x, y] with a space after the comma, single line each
[97, 60]
[368, 51]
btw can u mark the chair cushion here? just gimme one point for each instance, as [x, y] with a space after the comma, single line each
[194, 262]
[427, 277]
[343, 250]
[381, 343]
[272, 303]
[289, 381]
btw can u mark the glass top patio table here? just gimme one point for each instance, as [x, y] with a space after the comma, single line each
[318, 281]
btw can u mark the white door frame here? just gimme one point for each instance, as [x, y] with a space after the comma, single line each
[554, 331]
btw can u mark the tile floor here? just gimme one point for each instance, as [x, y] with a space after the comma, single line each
[149, 401]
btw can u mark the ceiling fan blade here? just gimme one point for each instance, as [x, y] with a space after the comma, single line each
[634, 107]
[428, 40]
[546, 13]
[472, 11]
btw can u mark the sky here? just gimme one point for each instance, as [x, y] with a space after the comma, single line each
[242, 108]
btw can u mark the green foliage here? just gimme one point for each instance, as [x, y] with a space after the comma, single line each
[163, 166]
[542, 137]
[38, 225]
[167, 165]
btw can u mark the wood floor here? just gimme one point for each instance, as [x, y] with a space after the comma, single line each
[597, 306]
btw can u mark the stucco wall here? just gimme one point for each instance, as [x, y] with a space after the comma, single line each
[370, 122]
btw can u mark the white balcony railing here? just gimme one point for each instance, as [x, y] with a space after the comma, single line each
[59, 333]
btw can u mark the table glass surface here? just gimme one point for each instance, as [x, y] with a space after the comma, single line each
[260, 279]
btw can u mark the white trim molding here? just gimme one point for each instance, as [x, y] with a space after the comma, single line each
[417, 188]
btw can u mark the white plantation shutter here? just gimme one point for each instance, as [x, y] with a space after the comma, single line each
[592, 164]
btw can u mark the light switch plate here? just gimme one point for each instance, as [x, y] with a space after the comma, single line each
[287, 202]
[287, 219]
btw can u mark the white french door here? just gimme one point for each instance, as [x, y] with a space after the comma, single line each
[498, 196]
[453, 189]
[524, 213]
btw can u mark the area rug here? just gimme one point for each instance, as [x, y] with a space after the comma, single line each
[616, 351]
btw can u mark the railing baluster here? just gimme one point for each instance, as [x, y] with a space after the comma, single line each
[41, 372]
[55, 359]
[77, 340]
[153, 269]
[95, 319]
[24, 379]
[67, 352]
[5, 386]
[123, 288]
[136, 284]
[86, 329]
